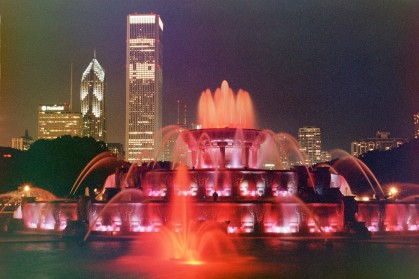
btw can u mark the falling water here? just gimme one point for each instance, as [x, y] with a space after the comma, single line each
[361, 166]
[103, 158]
[127, 195]
[187, 239]
[224, 109]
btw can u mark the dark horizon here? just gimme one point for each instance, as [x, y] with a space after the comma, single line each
[351, 69]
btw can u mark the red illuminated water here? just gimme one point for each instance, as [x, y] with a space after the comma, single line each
[246, 169]
[101, 159]
[348, 162]
[117, 215]
[224, 109]
[11, 200]
[187, 239]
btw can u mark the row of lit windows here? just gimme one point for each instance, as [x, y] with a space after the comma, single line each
[142, 93]
[358, 148]
[97, 70]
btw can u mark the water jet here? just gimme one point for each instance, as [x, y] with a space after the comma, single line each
[257, 177]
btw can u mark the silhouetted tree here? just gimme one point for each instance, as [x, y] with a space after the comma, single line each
[54, 165]
[11, 173]
[396, 165]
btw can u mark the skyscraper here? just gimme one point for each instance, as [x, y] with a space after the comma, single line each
[381, 141]
[22, 143]
[92, 99]
[0, 56]
[57, 120]
[144, 81]
[311, 144]
[416, 123]
[170, 144]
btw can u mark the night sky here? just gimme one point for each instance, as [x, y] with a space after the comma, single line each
[348, 67]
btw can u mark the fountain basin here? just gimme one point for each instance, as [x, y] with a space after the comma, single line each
[282, 216]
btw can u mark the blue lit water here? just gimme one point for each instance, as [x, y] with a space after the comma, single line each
[26, 256]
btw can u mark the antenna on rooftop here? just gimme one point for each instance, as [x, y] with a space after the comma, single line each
[178, 112]
[184, 119]
[71, 87]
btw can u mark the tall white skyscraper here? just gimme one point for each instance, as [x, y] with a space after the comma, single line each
[311, 144]
[92, 99]
[0, 56]
[144, 82]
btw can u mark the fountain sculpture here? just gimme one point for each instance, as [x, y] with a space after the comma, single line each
[242, 179]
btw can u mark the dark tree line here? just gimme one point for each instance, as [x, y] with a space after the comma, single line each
[397, 165]
[53, 165]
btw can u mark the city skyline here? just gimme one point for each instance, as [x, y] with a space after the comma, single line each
[350, 69]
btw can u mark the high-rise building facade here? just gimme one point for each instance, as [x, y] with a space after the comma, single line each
[382, 142]
[22, 143]
[416, 123]
[0, 56]
[116, 148]
[144, 82]
[311, 144]
[58, 120]
[170, 143]
[92, 99]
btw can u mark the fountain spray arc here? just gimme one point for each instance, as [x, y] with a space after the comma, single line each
[247, 180]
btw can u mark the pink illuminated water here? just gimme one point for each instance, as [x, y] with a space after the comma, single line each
[281, 150]
[226, 137]
[13, 199]
[101, 159]
[117, 213]
[224, 109]
[347, 161]
[188, 239]
[258, 177]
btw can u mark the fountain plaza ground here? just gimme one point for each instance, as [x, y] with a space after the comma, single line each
[25, 255]
[220, 214]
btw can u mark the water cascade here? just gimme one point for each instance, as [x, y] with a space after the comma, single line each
[227, 177]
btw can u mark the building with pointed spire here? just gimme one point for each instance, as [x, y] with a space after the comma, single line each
[144, 85]
[92, 99]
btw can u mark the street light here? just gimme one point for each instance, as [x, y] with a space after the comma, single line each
[392, 192]
[27, 189]
[23, 191]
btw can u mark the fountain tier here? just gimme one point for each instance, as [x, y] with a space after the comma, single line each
[227, 182]
[223, 147]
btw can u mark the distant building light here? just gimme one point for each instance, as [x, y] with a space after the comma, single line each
[269, 166]
[7, 155]
[52, 108]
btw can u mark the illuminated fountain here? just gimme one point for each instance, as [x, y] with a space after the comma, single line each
[238, 178]
[43, 211]
[10, 204]
[383, 209]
